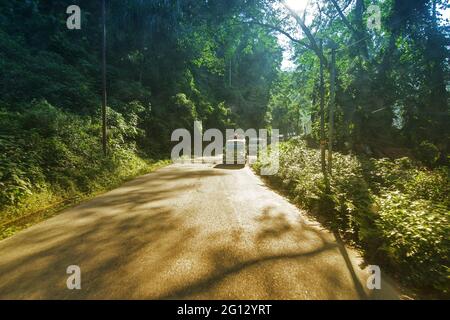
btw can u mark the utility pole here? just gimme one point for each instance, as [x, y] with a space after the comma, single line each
[322, 119]
[104, 101]
[331, 106]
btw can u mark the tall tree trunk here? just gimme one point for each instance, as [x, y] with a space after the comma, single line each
[331, 109]
[104, 100]
[322, 121]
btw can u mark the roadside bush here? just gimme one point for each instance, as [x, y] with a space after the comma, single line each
[415, 238]
[430, 185]
[353, 213]
[300, 175]
[395, 210]
[428, 153]
[45, 151]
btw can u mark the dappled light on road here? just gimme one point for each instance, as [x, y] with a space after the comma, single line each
[186, 231]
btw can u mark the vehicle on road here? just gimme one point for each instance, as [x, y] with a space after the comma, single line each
[235, 152]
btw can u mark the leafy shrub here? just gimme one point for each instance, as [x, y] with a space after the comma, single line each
[415, 238]
[300, 174]
[352, 198]
[185, 109]
[428, 153]
[395, 210]
[44, 150]
[42, 118]
[430, 185]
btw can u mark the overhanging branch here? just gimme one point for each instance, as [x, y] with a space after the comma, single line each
[279, 30]
[313, 43]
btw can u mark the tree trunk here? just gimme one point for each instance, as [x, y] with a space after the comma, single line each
[104, 101]
[322, 120]
[331, 109]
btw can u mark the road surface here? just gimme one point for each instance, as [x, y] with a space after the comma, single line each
[187, 231]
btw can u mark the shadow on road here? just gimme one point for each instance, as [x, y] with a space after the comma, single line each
[103, 236]
[306, 245]
[230, 166]
[280, 246]
[139, 241]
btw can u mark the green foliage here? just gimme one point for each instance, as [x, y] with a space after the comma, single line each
[428, 153]
[171, 55]
[185, 108]
[59, 153]
[392, 84]
[395, 210]
[415, 240]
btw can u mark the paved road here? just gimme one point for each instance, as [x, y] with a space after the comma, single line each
[194, 231]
